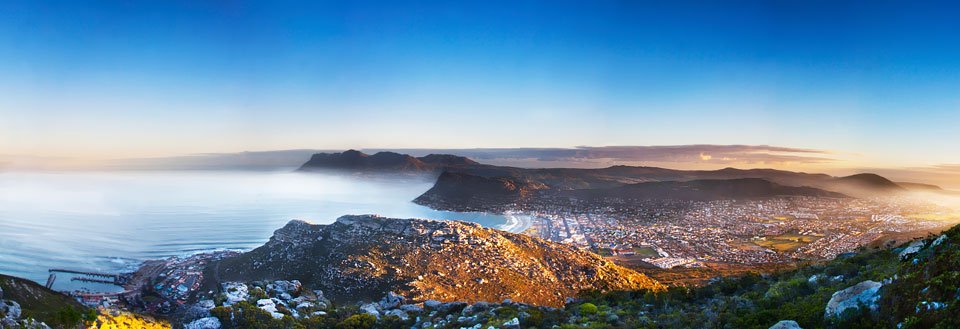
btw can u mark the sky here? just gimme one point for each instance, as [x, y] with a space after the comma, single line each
[866, 84]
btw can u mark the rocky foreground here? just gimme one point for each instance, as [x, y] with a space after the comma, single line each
[361, 258]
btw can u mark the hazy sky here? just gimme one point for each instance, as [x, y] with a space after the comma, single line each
[876, 83]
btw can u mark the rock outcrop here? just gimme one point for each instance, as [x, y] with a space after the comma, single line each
[786, 324]
[912, 248]
[204, 323]
[866, 292]
[362, 257]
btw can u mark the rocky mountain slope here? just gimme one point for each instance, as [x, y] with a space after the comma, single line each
[914, 285]
[363, 257]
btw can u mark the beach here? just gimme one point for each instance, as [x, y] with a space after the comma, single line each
[516, 222]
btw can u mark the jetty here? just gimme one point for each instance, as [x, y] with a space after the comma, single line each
[95, 274]
[94, 280]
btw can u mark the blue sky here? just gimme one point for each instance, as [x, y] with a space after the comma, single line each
[876, 82]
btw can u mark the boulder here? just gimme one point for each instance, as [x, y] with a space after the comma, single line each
[911, 249]
[392, 300]
[398, 313]
[411, 308]
[206, 304]
[371, 309]
[512, 324]
[432, 304]
[11, 309]
[476, 307]
[447, 307]
[267, 305]
[786, 324]
[935, 243]
[236, 292]
[280, 287]
[866, 292]
[204, 323]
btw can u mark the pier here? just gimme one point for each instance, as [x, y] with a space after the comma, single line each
[114, 282]
[115, 277]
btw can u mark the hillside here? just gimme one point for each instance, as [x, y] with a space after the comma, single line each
[707, 189]
[463, 191]
[22, 299]
[920, 187]
[382, 162]
[363, 257]
[468, 192]
[911, 286]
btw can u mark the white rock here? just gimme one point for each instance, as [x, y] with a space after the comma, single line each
[392, 300]
[939, 240]
[432, 304]
[865, 292]
[399, 313]
[204, 323]
[371, 309]
[206, 304]
[236, 292]
[513, 323]
[268, 305]
[786, 324]
[11, 309]
[911, 249]
[411, 308]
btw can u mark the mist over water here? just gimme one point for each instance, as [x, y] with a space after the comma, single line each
[112, 221]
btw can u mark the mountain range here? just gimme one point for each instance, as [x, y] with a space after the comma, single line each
[464, 184]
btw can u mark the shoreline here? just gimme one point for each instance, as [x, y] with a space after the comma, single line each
[516, 222]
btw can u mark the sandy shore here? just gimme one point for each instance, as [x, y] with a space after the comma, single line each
[516, 222]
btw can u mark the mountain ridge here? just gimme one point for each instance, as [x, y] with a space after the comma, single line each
[385, 162]
[857, 185]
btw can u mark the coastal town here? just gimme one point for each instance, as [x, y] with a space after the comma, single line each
[668, 233]
[161, 286]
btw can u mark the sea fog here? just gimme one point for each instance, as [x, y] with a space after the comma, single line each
[112, 221]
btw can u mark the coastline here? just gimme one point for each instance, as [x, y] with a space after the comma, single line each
[516, 222]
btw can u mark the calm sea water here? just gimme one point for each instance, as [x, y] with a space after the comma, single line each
[110, 222]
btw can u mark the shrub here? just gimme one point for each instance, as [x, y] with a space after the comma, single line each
[588, 308]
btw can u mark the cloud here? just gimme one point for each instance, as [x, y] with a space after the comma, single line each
[946, 175]
[701, 153]
[576, 157]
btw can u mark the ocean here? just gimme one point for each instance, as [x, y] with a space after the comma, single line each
[110, 222]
